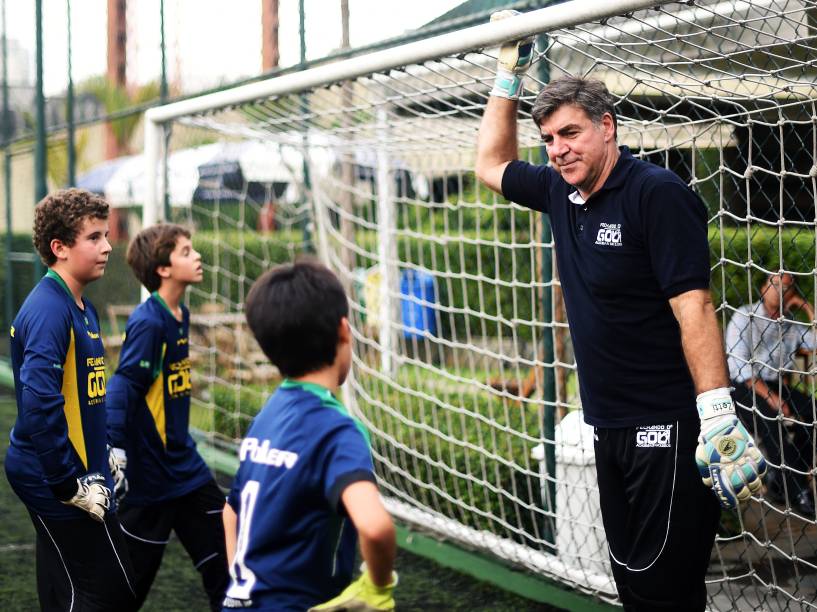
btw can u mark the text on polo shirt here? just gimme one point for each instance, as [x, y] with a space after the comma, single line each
[265, 455]
[609, 234]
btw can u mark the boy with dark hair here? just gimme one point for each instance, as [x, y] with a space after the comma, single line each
[57, 462]
[306, 468]
[168, 486]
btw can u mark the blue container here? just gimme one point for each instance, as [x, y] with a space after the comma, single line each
[417, 303]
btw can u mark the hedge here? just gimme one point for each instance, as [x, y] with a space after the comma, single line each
[234, 259]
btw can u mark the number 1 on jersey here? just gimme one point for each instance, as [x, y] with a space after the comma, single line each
[243, 578]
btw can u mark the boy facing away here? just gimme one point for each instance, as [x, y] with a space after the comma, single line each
[57, 462]
[305, 488]
[168, 486]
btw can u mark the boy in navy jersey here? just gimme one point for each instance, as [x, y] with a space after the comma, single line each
[305, 489]
[168, 486]
[57, 462]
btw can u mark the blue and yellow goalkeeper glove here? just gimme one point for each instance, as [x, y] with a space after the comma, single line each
[362, 595]
[514, 59]
[727, 458]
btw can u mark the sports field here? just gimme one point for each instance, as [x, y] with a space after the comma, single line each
[424, 585]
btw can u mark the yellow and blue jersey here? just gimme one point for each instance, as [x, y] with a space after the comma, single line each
[296, 546]
[149, 406]
[59, 382]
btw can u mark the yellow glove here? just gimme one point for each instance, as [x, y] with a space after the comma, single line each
[362, 596]
[514, 59]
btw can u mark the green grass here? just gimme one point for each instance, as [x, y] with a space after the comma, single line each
[424, 585]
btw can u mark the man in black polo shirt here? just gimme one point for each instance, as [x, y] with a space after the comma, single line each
[631, 245]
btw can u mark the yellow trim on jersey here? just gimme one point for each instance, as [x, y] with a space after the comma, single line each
[70, 393]
[155, 399]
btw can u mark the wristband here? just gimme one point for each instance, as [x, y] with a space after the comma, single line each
[715, 403]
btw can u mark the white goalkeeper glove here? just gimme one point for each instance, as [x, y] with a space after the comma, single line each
[118, 462]
[727, 458]
[92, 496]
[362, 595]
[514, 59]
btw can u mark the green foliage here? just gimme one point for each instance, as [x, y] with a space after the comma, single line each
[58, 157]
[748, 255]
[234, 259]
[235, 408]
[23, 279]
[118, 286]
[115, 99]
[473, 446]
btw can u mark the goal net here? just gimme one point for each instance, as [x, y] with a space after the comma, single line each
[463, 369]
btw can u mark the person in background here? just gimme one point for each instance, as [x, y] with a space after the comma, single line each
[762, 341]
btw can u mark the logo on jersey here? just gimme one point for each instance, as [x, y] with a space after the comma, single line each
[96, 380]
[263, 454]
[178, 383]
[609, 234]
[654, 436]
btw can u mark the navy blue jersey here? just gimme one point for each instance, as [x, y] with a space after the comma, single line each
[634, 244]
[149, 406]
[296, 546]
[59, 382]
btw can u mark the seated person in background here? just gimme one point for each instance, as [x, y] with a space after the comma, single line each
[754, 333]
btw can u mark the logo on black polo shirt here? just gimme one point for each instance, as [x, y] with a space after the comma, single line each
[654, 436]
[609, 234]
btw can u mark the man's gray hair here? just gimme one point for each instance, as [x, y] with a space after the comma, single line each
[590, 95]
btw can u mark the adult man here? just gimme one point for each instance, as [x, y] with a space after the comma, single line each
[633, 257]
[761, 350]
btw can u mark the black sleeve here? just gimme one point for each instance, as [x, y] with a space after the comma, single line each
[527, 185]
[343, 481]
[675, 228]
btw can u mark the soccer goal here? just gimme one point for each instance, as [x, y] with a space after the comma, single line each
[463, 370]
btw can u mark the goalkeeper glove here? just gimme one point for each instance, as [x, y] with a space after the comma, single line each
[727, 458]
[92, 496]
[362, 596]
[117, 462]
[514, 59]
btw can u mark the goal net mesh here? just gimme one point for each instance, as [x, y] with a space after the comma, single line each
[463, 369]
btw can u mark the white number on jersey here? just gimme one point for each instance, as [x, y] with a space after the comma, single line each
[243, 579]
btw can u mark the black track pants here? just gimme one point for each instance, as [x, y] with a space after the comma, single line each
[659, 518]
[196, 519]
[82, 565]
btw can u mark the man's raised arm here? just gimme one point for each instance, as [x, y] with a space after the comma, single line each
[497, 143]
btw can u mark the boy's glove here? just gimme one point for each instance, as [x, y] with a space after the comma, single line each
[362, 596]
[118, 462]
[92, 496]
[514, 59]
[727, 458]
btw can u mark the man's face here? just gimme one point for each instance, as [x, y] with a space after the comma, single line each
[776, 289]
[577, 148]
[87, 257]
